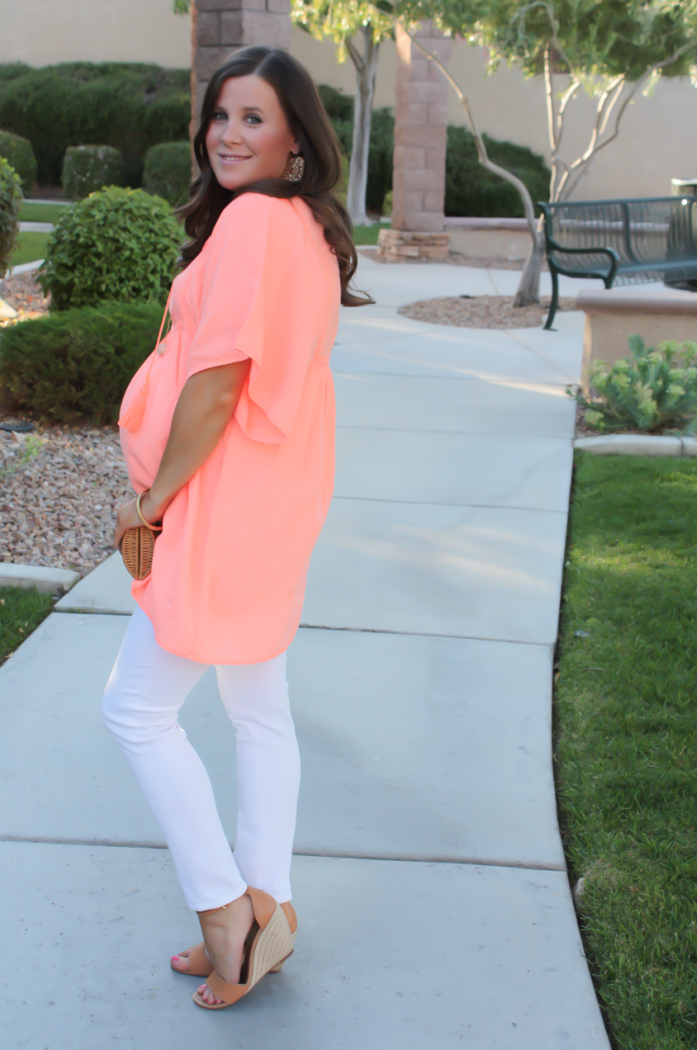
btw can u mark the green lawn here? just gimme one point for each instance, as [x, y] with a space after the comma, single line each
[41, 212]
[625, 740]
[368, 234]
[31, 246]
[21, 611]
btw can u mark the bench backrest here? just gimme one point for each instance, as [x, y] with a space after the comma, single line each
[640, 231]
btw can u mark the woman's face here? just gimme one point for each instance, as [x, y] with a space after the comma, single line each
[248, 138]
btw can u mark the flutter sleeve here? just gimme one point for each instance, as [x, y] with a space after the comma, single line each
[261, 298]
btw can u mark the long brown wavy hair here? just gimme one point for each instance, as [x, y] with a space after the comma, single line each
[308, 121]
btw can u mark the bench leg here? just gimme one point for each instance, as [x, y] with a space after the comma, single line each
[555, 299]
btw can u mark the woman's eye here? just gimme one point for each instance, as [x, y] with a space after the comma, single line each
[220, 115]
[253, 118]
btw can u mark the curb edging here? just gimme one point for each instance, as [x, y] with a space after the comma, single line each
[638, 445]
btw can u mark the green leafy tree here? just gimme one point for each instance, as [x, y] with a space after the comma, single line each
[612, 50]
[345, 21]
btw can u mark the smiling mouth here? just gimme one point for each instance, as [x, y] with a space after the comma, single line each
[233, 158]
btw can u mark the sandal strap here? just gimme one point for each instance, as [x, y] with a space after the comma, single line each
[199, 963]
[263, 906]
[229, 993]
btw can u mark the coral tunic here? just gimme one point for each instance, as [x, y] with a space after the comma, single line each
[229, 569]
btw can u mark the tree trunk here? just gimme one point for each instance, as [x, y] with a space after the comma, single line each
[366, 69]
[528, 291]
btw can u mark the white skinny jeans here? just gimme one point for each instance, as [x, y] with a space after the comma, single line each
[141, 703]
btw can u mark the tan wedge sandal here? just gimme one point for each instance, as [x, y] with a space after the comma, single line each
[269, 943]
[201, 966]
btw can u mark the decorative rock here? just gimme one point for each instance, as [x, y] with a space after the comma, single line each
[578, 889]
[7, 312]
[394, 245]
[50, 581]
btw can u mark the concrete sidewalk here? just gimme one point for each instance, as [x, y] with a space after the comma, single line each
[430, 882]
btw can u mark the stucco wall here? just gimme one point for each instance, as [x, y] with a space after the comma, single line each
[657, 141]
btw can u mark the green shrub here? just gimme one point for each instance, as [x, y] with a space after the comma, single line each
[87, 169]
[18, 152]
[11, 70]
[117, 245]
[75, 366]
[130, 106]
[472, 190]
[646, 391]
[168, 171]
[10, 200]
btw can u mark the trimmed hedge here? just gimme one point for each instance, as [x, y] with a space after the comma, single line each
[118, 245]
[471, 190]
[129, 106]
[18, 152]
[75, 366]
[10, 200]
[87, 169]
[168, 171]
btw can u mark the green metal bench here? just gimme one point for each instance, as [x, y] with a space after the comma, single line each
[621, 241]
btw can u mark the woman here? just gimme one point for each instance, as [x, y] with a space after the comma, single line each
[228, 434]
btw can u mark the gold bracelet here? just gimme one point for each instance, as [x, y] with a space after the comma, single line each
[153, 528]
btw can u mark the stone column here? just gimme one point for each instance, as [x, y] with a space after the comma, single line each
[220, 27]
[419, 152]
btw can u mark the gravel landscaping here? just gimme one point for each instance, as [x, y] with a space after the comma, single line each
[24, 294]
[59, 489]
[482, 311]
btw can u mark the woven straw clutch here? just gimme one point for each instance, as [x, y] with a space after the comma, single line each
[137, 546]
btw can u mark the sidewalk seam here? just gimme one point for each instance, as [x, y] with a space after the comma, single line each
[477, 862]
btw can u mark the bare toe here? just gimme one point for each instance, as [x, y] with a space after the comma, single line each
[180, 962]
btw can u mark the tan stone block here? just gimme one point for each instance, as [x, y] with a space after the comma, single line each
[232, 28]
[399, 177]
[208, 59]
[426, 220]
[418, 70]
[438, 113]
[409, 157]
[198, 92]
[277, 32]
[422, 179]
[435, 158]
[434, 200]
[408, 251]
[413, 113]
[413, 200]
[207, 31]
[420, 136]
[425, 91]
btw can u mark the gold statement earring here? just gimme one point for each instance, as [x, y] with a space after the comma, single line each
[295, 168]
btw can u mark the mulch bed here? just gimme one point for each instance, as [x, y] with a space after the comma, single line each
[482, 311]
